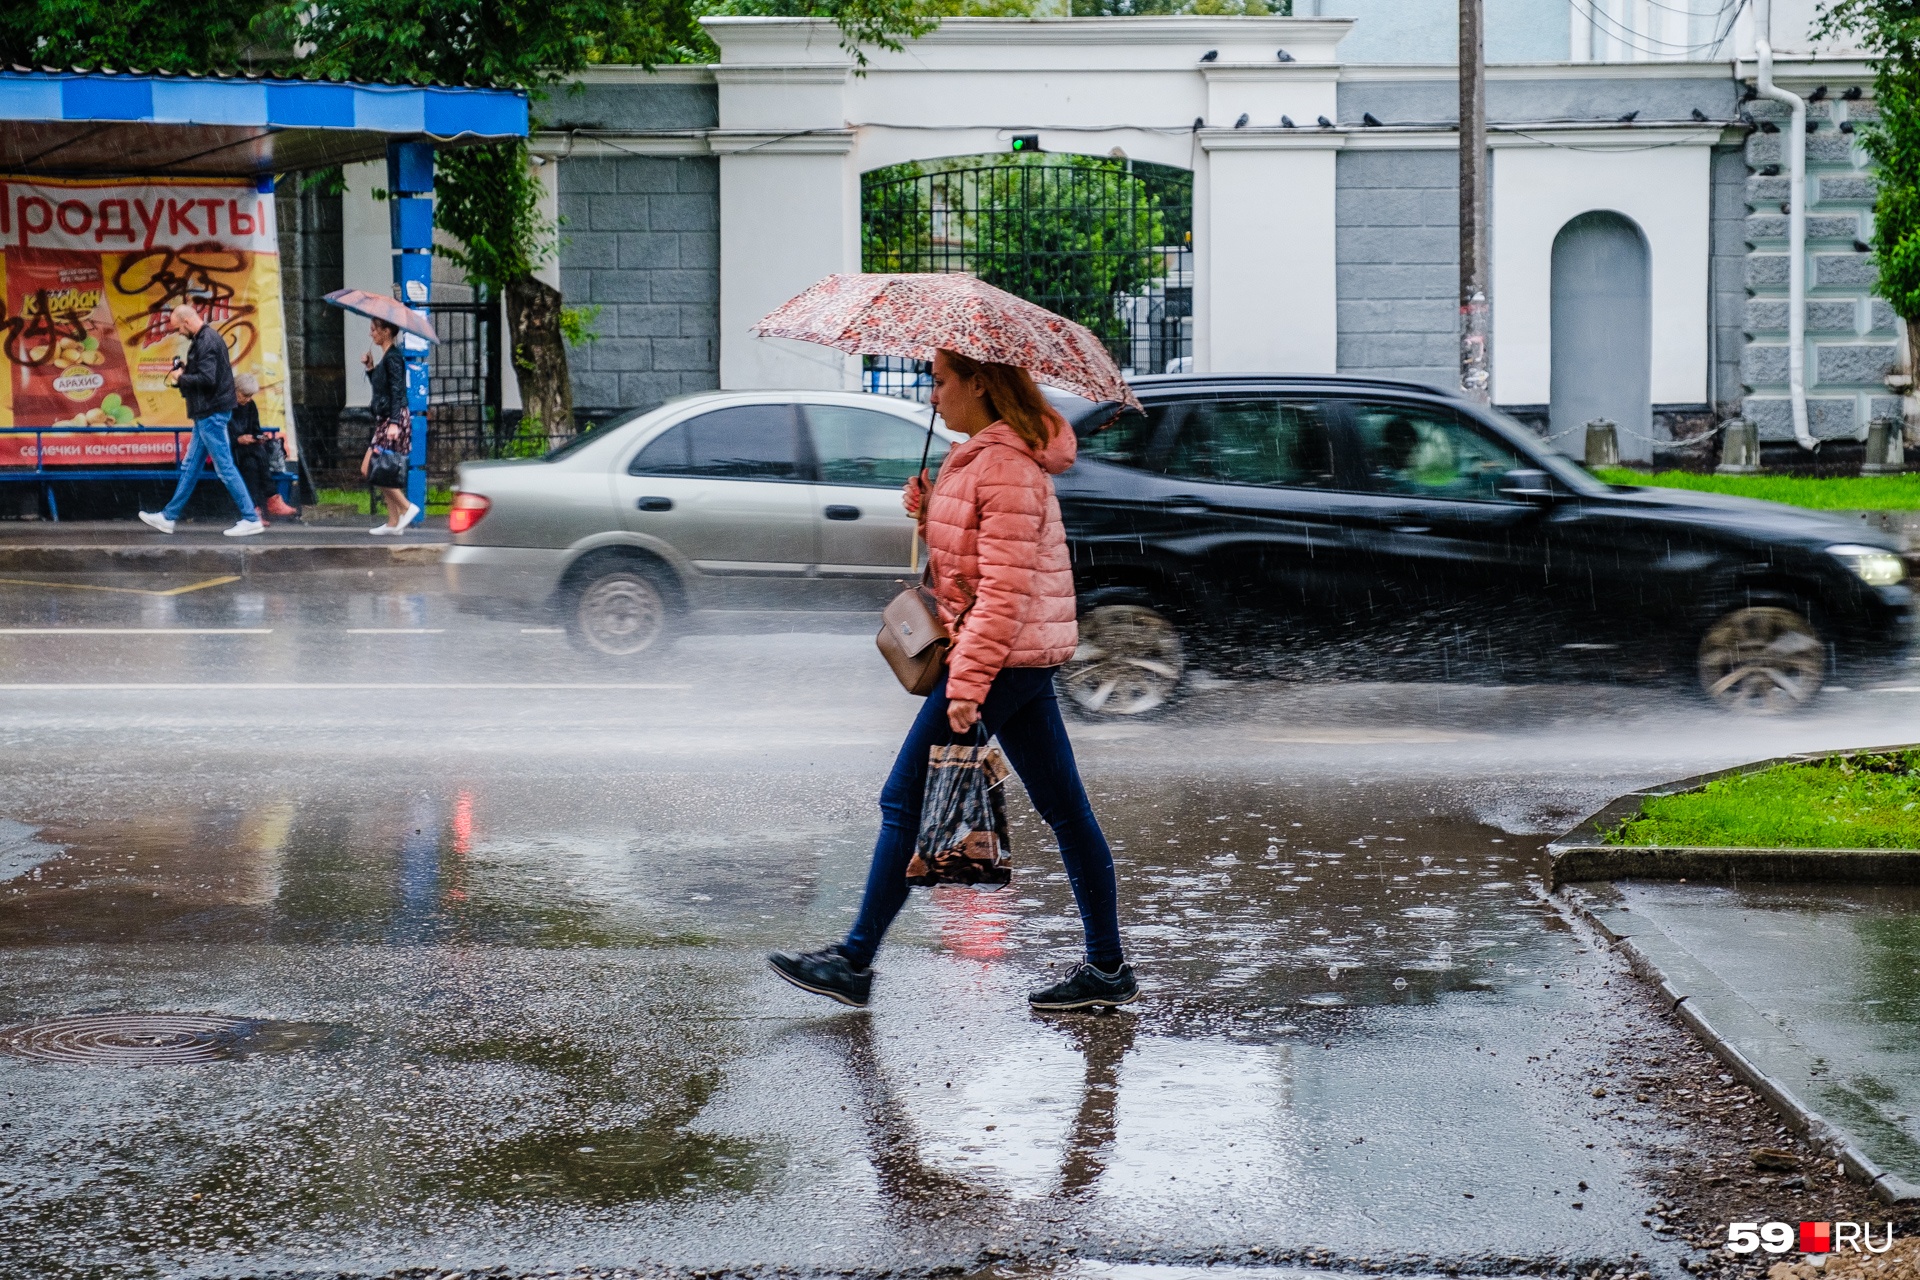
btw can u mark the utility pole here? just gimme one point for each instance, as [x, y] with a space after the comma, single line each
[1475, 300]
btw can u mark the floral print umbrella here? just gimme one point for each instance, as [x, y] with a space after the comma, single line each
[378, 306]
[915, 315]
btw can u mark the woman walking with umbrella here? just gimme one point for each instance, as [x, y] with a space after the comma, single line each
[998, 567]
[391, 447]
[390, 450]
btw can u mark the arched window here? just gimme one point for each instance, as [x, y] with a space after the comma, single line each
[1602, 333]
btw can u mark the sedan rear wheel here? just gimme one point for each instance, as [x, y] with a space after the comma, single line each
[1762, 660]
[623, 613]
[1130, 662]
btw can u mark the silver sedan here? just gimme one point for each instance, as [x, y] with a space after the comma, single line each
[729, 500]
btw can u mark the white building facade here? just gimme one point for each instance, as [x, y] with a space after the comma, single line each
[1635, 227]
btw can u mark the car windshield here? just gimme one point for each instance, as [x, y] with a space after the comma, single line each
[591, 434]
[1555, 463]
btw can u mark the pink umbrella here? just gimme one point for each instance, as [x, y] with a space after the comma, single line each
[915, 315]
[378, 306]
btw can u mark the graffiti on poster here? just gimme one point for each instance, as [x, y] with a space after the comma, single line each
[90, 272]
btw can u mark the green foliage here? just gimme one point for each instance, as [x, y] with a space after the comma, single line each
[521, 43]
[529, 440]
[489, 199]
[439, 500]
[884, 23]
[1867, 802]
[1071, 233]
[1890, 29]
[1838, 493]
[576, 325]
[143, 35]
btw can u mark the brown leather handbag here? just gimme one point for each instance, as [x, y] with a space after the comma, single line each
[912, 638]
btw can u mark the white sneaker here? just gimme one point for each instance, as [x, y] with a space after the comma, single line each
[245, 528]
[407, 518]
[154, 519]
[382, 530]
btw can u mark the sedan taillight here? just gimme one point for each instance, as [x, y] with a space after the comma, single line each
[466, 512]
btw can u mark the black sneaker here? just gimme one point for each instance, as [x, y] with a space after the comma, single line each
[1088, 988]
[825, 972]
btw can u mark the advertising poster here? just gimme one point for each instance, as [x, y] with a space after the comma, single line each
[90, 270]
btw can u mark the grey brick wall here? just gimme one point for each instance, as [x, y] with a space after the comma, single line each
[1851, 337]
[1726, 278]
[1396, 263]
[642, 243]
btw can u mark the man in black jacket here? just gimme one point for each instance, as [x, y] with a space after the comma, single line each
[205, 378]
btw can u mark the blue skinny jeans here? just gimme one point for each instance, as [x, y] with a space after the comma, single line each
[210, 441]
[1021, 711]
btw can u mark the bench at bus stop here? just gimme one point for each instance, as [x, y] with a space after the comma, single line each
[40, 473]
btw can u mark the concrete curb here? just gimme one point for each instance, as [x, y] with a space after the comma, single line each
[1890, 1188]
[245, 560]
[1582, 854]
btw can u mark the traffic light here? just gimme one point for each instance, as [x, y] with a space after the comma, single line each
[1026, 142]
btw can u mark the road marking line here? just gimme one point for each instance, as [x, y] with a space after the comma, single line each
[136, 631]
[245, 686]
[396, 631]
[131, 591]
[543, 631]
[1893, 688]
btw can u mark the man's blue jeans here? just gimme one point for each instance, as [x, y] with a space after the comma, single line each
[210, 440]
[1021, 711]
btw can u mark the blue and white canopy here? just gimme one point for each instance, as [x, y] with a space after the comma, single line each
[110, 124]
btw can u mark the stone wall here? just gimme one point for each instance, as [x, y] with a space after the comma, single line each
[1852, 338]
[1727, 279]
[641, 242]
[1396, 264]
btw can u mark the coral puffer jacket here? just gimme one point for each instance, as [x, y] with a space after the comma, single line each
[998, 555]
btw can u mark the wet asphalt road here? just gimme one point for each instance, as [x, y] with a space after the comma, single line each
[506, 908]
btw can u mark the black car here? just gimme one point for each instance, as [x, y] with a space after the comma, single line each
[1328, 524]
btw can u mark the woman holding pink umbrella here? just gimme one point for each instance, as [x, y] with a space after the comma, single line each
[998, 567]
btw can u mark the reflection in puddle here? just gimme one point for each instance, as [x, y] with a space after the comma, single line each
[611, 1166]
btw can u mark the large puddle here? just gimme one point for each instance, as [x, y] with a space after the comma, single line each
[1363, 1031]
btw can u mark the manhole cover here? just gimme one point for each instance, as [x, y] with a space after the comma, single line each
[154, 1039]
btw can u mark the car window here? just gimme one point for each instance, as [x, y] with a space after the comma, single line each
[741, 442]
[1432, 454]
[867, 447]
[1263, 442]
[1126, 440]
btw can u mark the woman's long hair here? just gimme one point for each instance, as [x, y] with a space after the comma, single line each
[1012, 397]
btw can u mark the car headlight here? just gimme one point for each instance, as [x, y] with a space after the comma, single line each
[1873, 566]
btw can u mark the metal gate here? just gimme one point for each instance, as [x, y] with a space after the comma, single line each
[1105, 241]
[463, 386]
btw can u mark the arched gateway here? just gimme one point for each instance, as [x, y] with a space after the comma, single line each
[1157, 125]
[1103, 240]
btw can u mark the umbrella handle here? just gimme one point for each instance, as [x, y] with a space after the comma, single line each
[926, 451]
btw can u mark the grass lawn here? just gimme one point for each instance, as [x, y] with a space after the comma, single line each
[1839, 493]
[438, 500]
[1868, 802]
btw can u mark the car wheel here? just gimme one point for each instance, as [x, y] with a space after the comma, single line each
[621, 611]
[1762, 660]
[1130, 662]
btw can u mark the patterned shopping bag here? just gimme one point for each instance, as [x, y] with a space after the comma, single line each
[963, 818]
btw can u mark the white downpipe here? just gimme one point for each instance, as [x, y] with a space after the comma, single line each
[1796, 223]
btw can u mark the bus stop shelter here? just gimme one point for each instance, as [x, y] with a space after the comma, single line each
[82, 131]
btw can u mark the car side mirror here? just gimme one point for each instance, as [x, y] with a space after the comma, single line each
[1526, 485]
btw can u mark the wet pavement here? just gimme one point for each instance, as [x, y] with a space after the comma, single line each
[503, 910]
[1817, 985]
